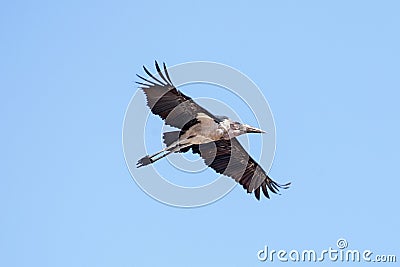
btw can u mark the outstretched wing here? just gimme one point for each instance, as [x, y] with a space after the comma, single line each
[164, 100]
[228, 157]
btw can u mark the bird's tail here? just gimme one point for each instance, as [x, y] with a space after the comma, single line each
[170, 137]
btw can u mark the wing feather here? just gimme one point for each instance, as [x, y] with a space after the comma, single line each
[152, 76]
[164, 100]
[228, 157]
[166, 73]
[160, 73]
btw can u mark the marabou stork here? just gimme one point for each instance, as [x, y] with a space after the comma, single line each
[212, 137]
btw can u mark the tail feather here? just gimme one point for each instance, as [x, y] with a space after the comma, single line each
[170, 137]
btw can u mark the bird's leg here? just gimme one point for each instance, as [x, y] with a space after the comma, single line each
[146, 160]
[168, 148]
[171, 149]
[177, 148]
[172, 146]
[159, 152]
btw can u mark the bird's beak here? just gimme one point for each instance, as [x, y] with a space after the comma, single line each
[250, 129]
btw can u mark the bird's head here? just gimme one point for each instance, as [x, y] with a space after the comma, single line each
[237, 128]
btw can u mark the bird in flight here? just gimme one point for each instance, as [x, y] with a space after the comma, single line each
[212, 137]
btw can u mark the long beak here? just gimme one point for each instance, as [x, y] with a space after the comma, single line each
[250, 129]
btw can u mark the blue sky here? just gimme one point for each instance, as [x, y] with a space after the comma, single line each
[329, 70]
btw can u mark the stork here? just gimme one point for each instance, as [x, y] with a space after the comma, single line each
[212, 137]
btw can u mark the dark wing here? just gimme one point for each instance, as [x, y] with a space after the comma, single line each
[228, 157]
[169, 103]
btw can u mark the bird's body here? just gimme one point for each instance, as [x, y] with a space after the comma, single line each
[207, 130]
[212, 137]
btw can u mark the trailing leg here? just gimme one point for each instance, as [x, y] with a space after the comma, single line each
[152, 158]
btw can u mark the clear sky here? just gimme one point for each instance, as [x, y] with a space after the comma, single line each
[329, 70]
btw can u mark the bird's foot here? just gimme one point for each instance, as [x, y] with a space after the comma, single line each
[144, 161]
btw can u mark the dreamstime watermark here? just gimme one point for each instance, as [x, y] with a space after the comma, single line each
[339, 253]
[134, 134]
